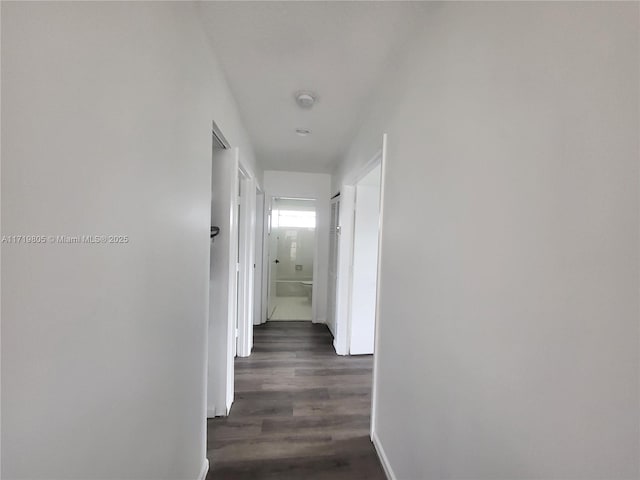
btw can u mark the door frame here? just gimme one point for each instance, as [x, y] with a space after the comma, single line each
[376, 356]
[231, 294]
[346, 238]
[363, 210]
[246, 257]
[346, 241]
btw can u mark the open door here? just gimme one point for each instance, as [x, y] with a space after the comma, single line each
[334, 244]
[272, 249]
[246, 262]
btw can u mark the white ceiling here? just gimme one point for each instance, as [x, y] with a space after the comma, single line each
[271, 50]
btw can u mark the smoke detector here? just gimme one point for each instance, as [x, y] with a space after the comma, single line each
[305, 99]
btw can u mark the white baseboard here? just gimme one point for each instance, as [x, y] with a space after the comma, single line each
[337, 348]
[320, 320]
[204, 470]
[383, 457]
[216, 412]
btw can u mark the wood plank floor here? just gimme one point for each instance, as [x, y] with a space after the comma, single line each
[301, 412]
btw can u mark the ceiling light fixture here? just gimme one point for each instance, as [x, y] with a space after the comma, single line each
[303, 132]
[305, 99]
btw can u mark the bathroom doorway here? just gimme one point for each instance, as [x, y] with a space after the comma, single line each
[292, 246]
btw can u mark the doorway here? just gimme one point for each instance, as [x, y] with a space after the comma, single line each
[231, 271]
[292, 247]
[222, 275]
[356, 252]
[239, 281]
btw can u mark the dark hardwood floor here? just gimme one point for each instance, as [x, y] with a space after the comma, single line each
[300, 412]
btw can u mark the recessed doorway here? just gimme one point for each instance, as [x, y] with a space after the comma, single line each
[292, 247]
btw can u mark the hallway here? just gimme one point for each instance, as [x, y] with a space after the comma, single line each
[300, 411]
[453, 185]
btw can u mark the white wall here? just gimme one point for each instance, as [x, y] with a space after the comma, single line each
[308, 185]
[508, 342]
[365, 265]
[107, 111]
[305, 239]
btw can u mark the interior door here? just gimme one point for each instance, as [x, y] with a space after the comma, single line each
[238, 289]
[273, 261]
[334, 232]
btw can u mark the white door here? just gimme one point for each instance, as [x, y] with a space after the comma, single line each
[239, 290]
[334, 246]
[273, 263]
